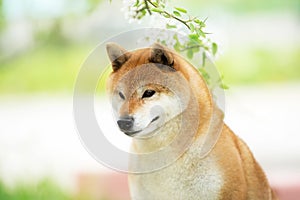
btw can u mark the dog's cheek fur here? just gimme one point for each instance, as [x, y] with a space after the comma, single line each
[165, 107]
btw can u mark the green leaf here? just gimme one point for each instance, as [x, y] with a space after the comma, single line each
[176, 13]
[163, 42]
[204, 74]
[197, 21]
[190, 53]
[155, 4]
[214, 48]
[158, 10]
[192, 27]
[169, 26]
[141, 14]
[196, 49]
[193, 36]
[193, 42]
[136, 3]
[203, 58]
[175, 37]
[224, 86]
[177, 46]
[202, 25]
[200, 33]
[166, 15]
[181, 10]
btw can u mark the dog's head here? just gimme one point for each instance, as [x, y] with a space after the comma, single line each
[147, 89]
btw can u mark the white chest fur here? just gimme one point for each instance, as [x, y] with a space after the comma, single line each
[187, 178]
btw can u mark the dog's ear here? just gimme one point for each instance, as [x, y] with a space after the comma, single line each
[117, 55]
[161, 55]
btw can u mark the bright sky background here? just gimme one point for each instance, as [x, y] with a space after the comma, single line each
[18, 9]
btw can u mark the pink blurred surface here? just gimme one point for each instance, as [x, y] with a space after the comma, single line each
[115, 186]
[288, 191]
[112, 186]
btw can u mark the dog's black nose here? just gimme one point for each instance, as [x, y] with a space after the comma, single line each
[126, 123]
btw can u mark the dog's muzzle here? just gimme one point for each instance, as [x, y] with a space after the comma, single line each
[126, 123]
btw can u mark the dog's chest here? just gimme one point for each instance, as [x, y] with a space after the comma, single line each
[184, 179]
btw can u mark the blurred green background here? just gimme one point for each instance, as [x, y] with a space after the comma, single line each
[44, 42]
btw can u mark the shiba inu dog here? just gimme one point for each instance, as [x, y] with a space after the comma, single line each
[159, 99]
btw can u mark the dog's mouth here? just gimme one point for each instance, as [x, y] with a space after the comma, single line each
[133, 133]
[154, 119]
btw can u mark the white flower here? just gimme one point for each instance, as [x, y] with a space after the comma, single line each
[130, 11]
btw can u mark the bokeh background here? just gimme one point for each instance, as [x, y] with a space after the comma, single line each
[44, 42]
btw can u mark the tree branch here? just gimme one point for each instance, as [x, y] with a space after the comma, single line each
[147, 7]
[169, 14]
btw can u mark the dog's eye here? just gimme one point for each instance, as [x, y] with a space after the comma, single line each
[148, 94]
[121, 95]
